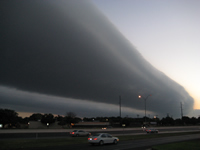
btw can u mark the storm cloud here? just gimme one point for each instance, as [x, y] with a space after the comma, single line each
[61, 54]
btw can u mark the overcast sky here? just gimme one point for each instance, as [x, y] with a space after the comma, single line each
[60, 56]
[165, 32]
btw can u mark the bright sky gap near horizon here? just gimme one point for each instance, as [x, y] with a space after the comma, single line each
[81, 55]
[166, 33]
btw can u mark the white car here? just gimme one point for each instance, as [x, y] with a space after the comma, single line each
[79, 133]
[102, 138]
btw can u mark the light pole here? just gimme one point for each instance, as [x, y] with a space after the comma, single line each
[145, 99]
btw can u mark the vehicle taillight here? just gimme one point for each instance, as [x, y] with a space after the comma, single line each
[72, 133]
[95, 139]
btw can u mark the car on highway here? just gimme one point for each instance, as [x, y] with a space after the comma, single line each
[151, 130]
[80, 133]
[108, 127]
[103, 138]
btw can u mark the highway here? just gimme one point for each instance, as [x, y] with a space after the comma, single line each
[59, 133]
[137, 144]
[144, 144]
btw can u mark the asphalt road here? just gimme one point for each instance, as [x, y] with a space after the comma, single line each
[135, 144]
[122, 145]
[58, 133]
[144, 144]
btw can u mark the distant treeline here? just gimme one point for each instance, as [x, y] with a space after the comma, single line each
[10, 119]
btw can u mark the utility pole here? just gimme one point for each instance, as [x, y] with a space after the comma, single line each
[181, 111]
[145, 100]
[120, 110]
[120, 106]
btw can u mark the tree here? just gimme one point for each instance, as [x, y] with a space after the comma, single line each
[178, 121]
[9, 117]
[71, 115]
[47, 119]
[194, 121]
[126, 121]
[71, 118]
[61, 120]
[35, 117]
[167, 121]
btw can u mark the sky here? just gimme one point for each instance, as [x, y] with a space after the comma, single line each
[165, 32]
[81, 56]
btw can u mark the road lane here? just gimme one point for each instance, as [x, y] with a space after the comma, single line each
[126, 145]
[58, 133]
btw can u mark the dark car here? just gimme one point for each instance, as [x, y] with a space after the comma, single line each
[79, 133]
[151, 130]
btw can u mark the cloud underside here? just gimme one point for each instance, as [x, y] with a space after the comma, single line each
[69, 49]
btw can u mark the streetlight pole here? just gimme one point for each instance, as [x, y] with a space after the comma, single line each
[145, 99]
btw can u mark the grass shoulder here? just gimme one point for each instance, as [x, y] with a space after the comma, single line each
[186, 145]
[149, 136]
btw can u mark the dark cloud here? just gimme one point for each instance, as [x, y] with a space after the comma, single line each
[69, 49]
